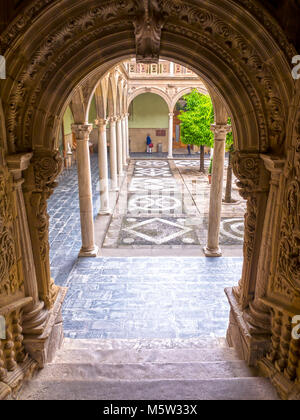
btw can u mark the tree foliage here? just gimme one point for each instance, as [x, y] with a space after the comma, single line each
[197, 119]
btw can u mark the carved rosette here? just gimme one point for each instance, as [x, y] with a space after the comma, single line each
[10, 281]
[39, 186]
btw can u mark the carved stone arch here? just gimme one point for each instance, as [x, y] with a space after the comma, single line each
[186, 91]
[78, 107]
[205, 31]
[101, 98]
[111, 110]
[119, 102]
[153, 90]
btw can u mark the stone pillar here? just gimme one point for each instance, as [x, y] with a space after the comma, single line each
[103, 167]
[120, 148]
[113, 155]
[123, 121]
[44, 168]
[248, 329]
[34, 315]
[82, 134]
[258, 314]
[41, 339]
[127, 135]
[170, 149]
[212, 249]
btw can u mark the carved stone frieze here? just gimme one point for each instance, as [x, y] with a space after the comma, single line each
[194, 21]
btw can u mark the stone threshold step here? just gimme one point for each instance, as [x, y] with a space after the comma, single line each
[138, 344]
[146, 371]
[145, 355]
[212, 389]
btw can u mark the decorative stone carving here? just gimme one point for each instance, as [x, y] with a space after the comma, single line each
[253, 183]
[235, 48]
[287, 279]
[10, 280]
[148, 24]
[39, 186]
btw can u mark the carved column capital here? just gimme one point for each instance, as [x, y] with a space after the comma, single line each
[101, 122]
[275, 166]
[18, 163]
[220, 131]
[113, 120]
[82, 131]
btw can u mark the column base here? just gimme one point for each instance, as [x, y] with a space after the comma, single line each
[42, 348]
[287, 389]
[89, 253]
[251, 346]
[170, 157]
[212, 252]
[106, 212]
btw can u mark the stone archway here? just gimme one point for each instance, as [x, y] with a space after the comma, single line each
[251, 75]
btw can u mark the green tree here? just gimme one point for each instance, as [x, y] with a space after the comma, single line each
[230, 149]
[196, 122]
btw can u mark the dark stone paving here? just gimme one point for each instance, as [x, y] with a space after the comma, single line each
[149, 297]
[65, 233]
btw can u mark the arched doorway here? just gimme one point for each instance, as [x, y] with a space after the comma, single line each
[249, 76]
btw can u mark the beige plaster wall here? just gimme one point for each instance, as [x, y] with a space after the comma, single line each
[137, 139]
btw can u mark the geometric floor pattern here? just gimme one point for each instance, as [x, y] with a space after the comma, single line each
[160, 210]
[149, 298]
[155, 213]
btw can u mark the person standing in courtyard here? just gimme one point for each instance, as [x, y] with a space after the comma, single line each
[189, 149]
[149, 144]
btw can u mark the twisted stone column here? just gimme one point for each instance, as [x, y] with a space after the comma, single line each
[220, 132]
[103, 167]
[113, 155]
[170, 148]
[120, 147]
[82, 134]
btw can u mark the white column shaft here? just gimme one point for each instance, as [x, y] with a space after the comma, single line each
[85, 190]
[103, 168]
[124, 141]
[113, 155]
[170, 143]
[215, 206]
[120, 147]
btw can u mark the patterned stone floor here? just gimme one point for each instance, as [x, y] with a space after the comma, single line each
[149, 298]
[154, 297]
[65, 233]
[164, 204]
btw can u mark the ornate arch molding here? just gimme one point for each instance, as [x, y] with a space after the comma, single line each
[155, 91]
[183, 92]
[210, 27]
